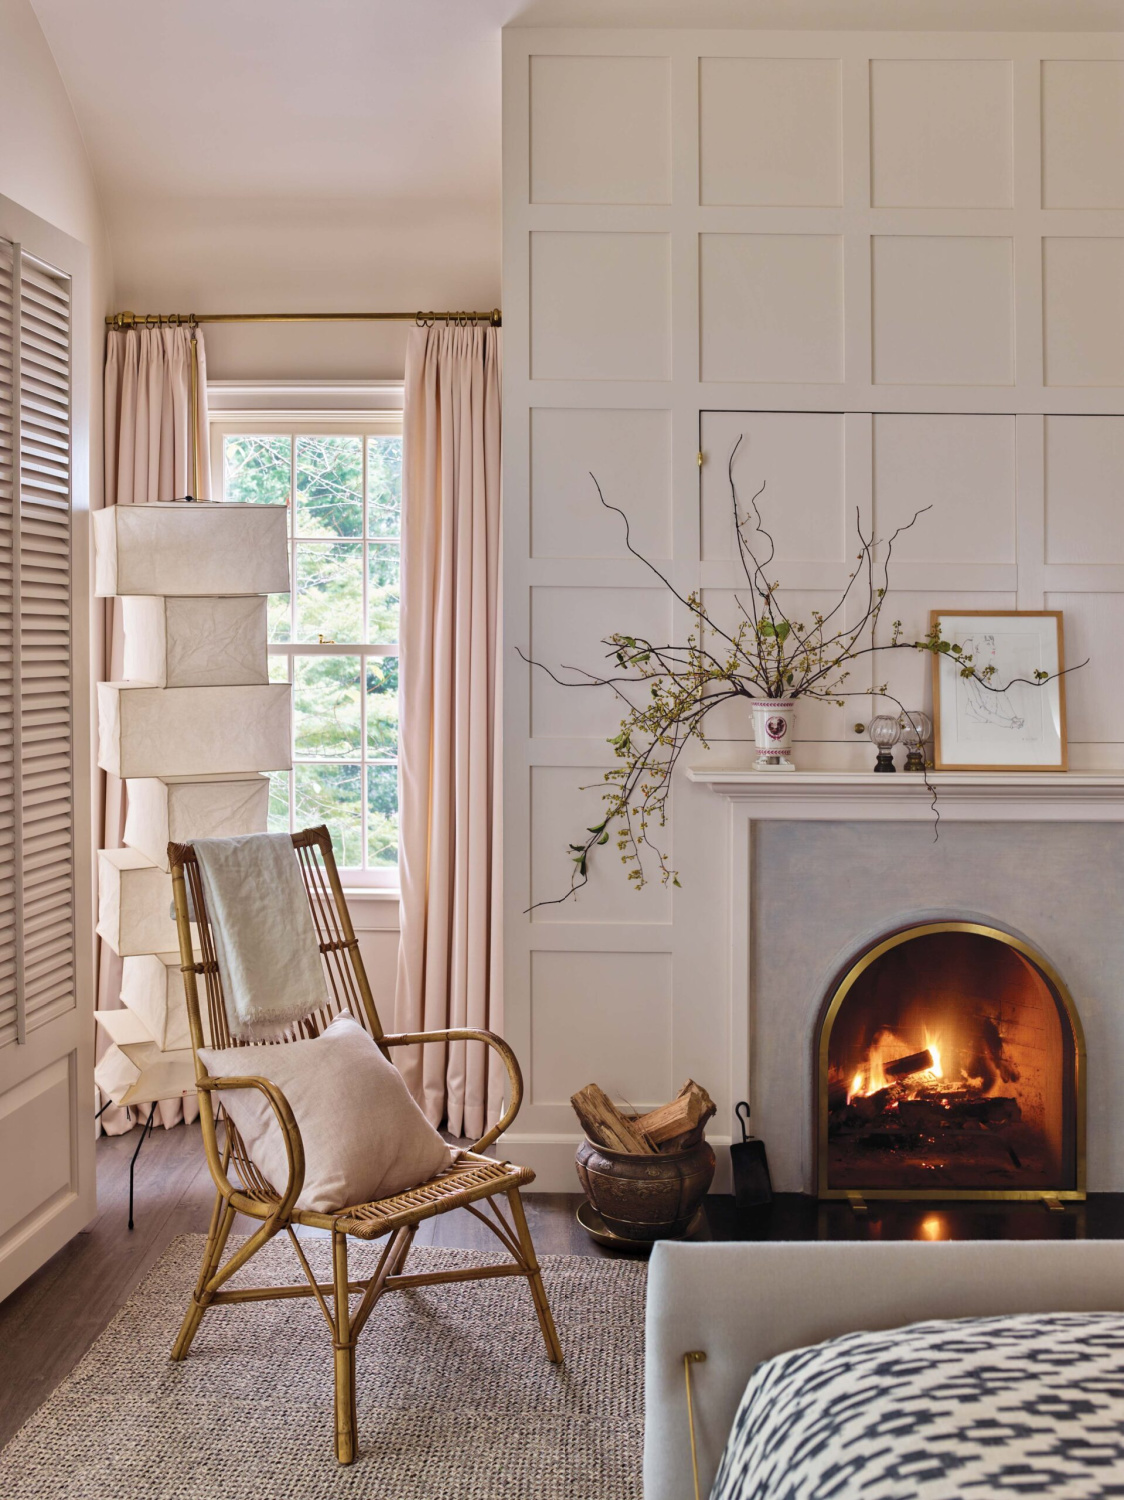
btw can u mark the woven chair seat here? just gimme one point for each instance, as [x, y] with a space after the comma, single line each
[465, 1180]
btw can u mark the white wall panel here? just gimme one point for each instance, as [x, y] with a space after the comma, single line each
[943, 309]
[600, 306]
[963, 469]
[771, 307]
[569, 627]
[1083, 288]
[770, 130]
[628, 452]
[941, 133]
[569, 798]
[1083, 133]
[799, 458]
[601, 1017]
[1085, 490]
[926, 309]
[600, 130]
[1094, 628]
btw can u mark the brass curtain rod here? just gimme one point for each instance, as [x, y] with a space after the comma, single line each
[188, 320]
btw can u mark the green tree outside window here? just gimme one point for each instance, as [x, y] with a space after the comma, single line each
[335, 638]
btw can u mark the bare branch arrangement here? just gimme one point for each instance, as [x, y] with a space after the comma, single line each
[766, 654]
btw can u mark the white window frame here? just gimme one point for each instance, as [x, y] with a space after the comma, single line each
[270, 411]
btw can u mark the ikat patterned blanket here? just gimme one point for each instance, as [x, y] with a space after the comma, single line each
[968, 1410]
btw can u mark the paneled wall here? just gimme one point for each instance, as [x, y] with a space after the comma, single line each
[893, 264]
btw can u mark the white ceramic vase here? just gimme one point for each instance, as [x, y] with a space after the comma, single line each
[774, 720]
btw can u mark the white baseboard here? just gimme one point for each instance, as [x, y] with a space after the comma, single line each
[552, 1159]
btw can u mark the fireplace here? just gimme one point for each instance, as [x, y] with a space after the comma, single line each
[950, 1065]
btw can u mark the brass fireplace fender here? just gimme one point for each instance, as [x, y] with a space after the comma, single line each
[1050, 1196]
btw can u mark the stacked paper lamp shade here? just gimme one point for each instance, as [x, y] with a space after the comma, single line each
[192, 729]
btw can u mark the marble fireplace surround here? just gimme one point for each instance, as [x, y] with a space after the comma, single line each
[822, 862]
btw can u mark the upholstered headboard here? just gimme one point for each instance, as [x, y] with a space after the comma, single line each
[742, 1303]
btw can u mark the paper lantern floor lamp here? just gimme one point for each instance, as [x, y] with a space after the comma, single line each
[193, 730]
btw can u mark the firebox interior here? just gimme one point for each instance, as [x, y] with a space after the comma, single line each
[950, 1065]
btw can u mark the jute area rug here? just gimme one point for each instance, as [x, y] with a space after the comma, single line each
[456, 1398]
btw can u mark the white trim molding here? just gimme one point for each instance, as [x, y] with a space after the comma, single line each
[978, 796]
[275, 398]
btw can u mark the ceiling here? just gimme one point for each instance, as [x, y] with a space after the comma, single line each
[317, 154]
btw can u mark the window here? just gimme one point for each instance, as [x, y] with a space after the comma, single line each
[335, 637]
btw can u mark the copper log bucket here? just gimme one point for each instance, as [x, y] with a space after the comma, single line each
[653, 1196]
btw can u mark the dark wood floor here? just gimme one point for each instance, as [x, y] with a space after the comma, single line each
[50, 1321]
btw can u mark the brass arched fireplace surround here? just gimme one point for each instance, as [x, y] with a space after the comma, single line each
[950, 1065]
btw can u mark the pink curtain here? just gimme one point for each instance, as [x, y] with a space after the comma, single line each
[148, 456]
[450, 958]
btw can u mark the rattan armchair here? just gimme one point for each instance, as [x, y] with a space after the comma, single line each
[473, 1181]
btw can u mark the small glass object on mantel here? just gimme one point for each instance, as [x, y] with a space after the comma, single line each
[885, 731]
[917, 730]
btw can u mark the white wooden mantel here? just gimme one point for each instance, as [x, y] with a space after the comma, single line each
[978, 796]
[862, 796]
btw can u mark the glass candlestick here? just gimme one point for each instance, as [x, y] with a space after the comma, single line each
[917, 729]
[885, 731]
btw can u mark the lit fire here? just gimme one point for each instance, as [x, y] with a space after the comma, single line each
[887, 1050]
[935, 1054]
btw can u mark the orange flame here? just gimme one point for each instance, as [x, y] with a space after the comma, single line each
[887, 1048]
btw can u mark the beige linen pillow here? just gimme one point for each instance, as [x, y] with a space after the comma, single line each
[364, 1137]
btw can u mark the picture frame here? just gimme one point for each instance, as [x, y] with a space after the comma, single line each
[1023, 729]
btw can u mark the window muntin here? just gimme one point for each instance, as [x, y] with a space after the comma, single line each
[335, 637]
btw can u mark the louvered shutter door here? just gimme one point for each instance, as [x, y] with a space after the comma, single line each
[8, 1006]
[37, 956]
[44, 588]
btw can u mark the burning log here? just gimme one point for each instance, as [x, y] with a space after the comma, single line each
[868, 1106]
[916, 1062]
[923, 1114]
[993, 1111]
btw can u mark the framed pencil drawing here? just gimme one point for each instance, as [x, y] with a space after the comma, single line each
[1011, 722]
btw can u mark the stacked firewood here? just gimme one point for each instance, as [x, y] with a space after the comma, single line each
[672, 1127]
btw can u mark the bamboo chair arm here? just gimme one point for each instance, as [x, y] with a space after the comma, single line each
[465, 1034]
[290, 1134]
